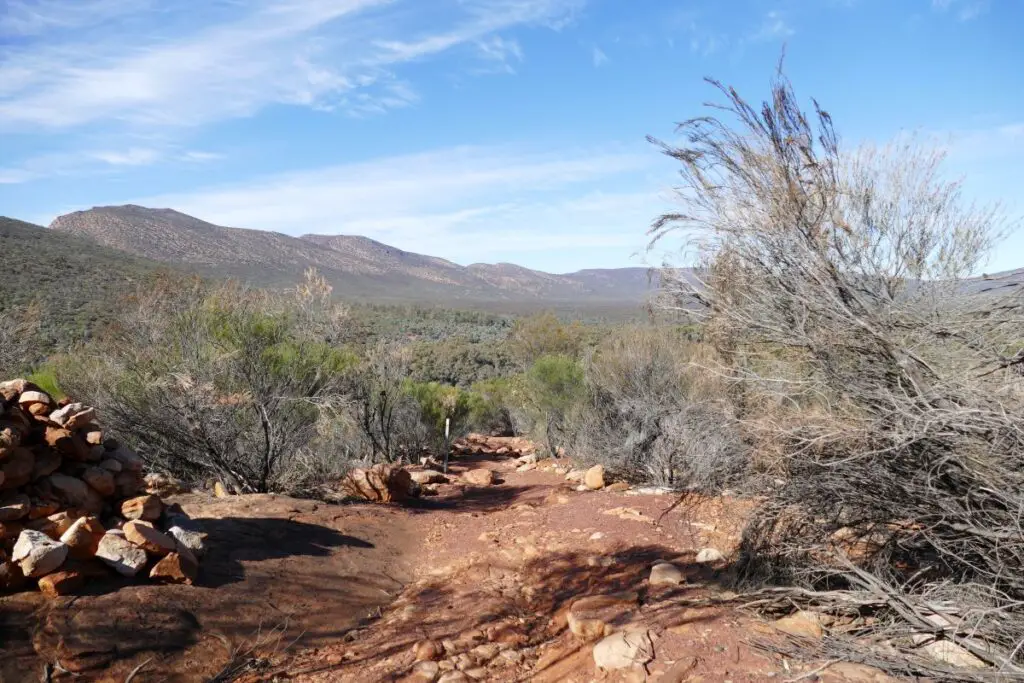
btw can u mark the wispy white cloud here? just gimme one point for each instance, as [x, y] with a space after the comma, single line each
[315, 53]
[963, 10]
[453, 202]
[773, 27]
[599, 57]
[134, 156]
[34, 17]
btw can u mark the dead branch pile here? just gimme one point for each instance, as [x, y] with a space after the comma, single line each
[73, 505]
[835, 283]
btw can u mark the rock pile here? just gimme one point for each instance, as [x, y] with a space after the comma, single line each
[72, 502]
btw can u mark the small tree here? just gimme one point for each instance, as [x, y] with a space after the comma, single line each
[386, 413]
[544, 334]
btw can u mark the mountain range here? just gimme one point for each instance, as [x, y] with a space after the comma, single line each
[359, 268]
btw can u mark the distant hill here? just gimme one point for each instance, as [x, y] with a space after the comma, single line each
[76, 281]
[358, 267]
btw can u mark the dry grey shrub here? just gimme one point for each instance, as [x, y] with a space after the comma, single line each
[834, 281]
[219, 381]
[652, 416]
[17, 340]
[388, 418]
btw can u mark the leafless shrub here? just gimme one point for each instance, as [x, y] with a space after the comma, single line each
[900, 403]
[651, 415]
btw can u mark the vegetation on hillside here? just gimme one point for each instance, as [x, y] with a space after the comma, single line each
[64, 286]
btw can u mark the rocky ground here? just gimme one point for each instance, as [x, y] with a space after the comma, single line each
[527, 578]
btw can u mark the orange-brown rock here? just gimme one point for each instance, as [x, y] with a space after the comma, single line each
[596, 616]
[17, 468]
[101, 480]
[61, 583]
[67, 443]
[42, 509]
[83, 537]
[148, 537]
[480, 477]
[148, 508]
[94, 438]
[175, 568]
[47, 461]
[128, 483]
[11, 576]
[379, 484]
[14, 506]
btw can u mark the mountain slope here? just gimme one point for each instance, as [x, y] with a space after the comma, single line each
[76, 282]
[358, 267]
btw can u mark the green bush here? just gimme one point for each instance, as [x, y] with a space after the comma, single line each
[225, 382]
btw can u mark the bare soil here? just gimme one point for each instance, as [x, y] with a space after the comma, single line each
[313, 592]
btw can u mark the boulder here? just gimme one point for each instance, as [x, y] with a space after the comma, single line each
[801, 623]
[953, 654]
[73, 415]
[666, 574]
[116, 552]
[47, 461]
[147, 507]
[595, 616]
[479, 477]
[624, 650]
[379, 484]
[111, 465]
[61, 583]
[194, 541]
[593, 479]
[13, 388]
[160, 484]
[709, 555]
[38, 554]
[128, 483]
[427, 650]
[11, 576]
[101, 480]
[14, 506]
[62, 521]
[128, 458]
[67, 443]
[428, 477]
[30, 398]
[423, 672]
[76, 493]
[176, 568]
[17, 468]
[83, 537]
[148, 537]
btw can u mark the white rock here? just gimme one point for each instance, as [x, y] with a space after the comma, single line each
[623, 650]
[708, 555]
[575, 475]
[666, 574]
[594, 477]
[37, 553]
[195, 541]
[951, 653]
[428, 477]
[530, 459]
[649, 491]
[120, 554]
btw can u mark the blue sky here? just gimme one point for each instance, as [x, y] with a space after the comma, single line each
[476, 130]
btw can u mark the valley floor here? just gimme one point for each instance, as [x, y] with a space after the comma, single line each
[306, 591]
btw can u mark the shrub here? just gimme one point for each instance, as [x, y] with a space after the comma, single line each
[544, 334]
[653, 415]
[216, 382]
[851, 265]
[551, 391]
